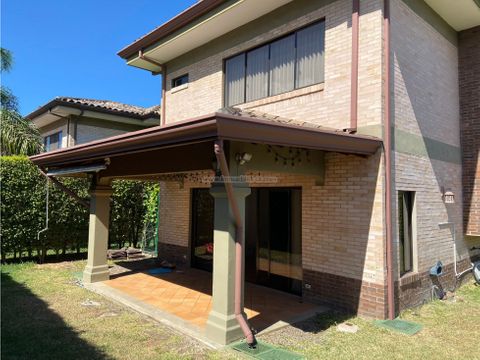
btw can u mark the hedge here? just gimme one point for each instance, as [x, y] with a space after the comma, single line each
[23, 193]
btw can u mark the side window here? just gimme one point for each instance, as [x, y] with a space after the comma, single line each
[181, 80]
[53, 141]
[406, 231]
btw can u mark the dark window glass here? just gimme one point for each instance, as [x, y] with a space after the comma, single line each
[53, 142]
[406, 201]
[180, 80]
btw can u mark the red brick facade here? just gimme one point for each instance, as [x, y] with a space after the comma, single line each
[469, 80]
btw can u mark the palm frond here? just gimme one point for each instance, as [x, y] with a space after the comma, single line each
[8, 101]
[18, 136]
[6, 60]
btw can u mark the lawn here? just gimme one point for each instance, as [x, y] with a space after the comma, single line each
[43, 318]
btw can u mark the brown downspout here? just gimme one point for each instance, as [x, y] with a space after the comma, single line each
[388, 163]
[164, 93]
[239, 243]
[69, 192]
[163, 68]
[354, 71]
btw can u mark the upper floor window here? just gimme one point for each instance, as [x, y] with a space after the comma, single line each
[53, 141]
[292, 62]
[181, 80]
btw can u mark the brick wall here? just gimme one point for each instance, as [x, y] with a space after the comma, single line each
[327, 104]
[469, 72]
[426, 108]
[342, 230]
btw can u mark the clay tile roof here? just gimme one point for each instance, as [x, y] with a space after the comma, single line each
[107, 106]
[111, 105]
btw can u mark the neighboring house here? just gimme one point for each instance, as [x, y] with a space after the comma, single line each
[350, 117]
[66, 121]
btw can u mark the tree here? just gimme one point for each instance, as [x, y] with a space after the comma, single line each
[18, 136]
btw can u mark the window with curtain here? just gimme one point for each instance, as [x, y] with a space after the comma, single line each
[292, 62]
[282, 65]
[53, 142]
[310, 55]
[257, 74]
[235, 80]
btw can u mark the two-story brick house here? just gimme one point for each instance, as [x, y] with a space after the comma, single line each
[342, 123]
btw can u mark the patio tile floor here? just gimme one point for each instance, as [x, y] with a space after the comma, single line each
[187, 294]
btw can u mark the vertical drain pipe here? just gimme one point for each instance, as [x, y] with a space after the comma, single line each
[388, 162]
[163, 120]
[239, 243]
[354, 71]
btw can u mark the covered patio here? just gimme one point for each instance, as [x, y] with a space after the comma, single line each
[160, 154]
[185, 297]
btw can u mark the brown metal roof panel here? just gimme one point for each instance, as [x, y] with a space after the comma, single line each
[218, 125]
[266, 132]
[197, 130]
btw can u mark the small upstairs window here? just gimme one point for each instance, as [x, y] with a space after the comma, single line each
[53, 141]
[179, 81]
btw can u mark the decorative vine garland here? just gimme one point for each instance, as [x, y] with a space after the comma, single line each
[294, 155]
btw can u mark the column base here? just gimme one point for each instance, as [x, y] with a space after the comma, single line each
[223, 329]
[93, 274]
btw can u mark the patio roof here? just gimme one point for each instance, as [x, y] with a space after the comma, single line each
[161, 144]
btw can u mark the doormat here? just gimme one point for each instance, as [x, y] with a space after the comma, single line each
[265, 352]
[157, 271]
[398, 325]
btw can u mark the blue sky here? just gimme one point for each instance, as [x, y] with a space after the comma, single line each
[69, 48]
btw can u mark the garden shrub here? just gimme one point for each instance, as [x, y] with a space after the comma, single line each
[23, 191]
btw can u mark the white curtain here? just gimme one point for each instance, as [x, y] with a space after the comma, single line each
[310, 59]
[257, 73]
[282, 65]
[235, 80]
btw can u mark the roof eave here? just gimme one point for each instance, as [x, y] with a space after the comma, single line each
[207, 128]
[184, 18]
[56, 102]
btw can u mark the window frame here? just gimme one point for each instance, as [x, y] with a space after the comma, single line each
[47, 140]
[173, 86]
[246, 51]
[412, 229]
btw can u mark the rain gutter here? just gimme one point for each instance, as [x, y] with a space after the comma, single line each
[388, 162]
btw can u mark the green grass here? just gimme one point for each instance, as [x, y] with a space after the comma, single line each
[451, 330]
[42, 318]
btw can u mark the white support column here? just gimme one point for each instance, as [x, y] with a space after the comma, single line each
[222, 327]
[97, 268]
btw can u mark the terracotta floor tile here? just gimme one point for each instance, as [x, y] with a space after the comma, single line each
[188, 295]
